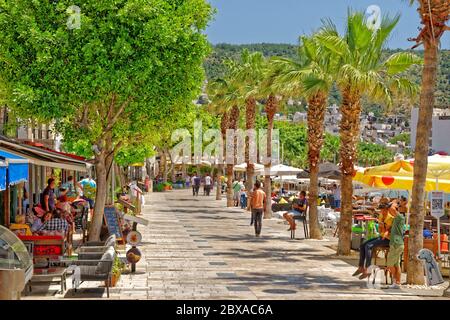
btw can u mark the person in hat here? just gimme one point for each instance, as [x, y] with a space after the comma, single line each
[385, 220]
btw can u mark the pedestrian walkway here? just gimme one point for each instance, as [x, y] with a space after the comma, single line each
[197, 248]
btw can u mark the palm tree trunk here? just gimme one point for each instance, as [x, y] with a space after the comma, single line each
[271, 109]
[351, 110]
[230, 202]
[415, 241]
[316, 116]
[250, 124]
[218, 183]
[223, 130]
[232, 124]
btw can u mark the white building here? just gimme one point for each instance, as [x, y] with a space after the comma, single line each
[440, 132]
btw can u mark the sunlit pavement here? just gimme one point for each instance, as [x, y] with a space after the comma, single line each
[196, 248]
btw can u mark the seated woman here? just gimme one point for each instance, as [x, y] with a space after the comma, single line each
[403, 207]
[385, 220]
[298, 209]
[55, 222]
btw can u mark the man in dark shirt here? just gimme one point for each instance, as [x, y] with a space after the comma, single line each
[48, 196]
[298, 209]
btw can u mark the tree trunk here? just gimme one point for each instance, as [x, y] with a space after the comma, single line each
[270, 108]
[230, 185]
[218, 182]
[316, 116]
[223, 130]
[415, 241]
[100, 198]
[267, 183]
[232, 124]
[250, 116]
[351, 110]
[120, 175]
[164, 166]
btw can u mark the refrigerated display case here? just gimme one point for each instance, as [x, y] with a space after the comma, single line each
[16, 265]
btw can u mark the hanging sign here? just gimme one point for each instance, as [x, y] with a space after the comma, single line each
[437, 204]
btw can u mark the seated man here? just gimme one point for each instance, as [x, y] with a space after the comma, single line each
[55, 222]
[298, 209]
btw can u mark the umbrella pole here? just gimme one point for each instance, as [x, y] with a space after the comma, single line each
[438, 223]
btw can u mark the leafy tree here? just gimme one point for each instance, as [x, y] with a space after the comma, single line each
[129, 65]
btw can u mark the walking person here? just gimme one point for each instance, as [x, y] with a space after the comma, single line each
[193, 183]
[258, 206]
[208, 184]
[197, 182]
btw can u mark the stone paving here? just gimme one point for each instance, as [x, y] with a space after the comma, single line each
[196, 248]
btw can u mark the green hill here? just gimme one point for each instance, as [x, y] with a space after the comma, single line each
[214, 65]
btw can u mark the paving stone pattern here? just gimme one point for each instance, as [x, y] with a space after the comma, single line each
[196, 248]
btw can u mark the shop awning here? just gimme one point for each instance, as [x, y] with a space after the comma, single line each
[17, 167]
[3, 166]
[43, 157]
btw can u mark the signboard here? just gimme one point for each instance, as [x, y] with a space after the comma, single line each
[134, 238]
[437, 204]
[444, 117]
[112, 221]
[135, 219]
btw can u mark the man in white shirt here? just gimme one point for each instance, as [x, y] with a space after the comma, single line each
[208, 183]
[337, 196]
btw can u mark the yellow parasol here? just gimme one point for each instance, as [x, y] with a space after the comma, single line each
[399, 174]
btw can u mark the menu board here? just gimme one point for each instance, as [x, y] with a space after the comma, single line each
[112, 221]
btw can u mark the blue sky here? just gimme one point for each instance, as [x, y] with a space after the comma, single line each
[282, 21]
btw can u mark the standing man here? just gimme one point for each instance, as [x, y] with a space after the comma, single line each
[208, 184]
[236, 192]
[48, 196]
[89, 190]
[258, 206]
[70, 187]
[337, 195]
[396, 244]
[197, 182]
[194, 175]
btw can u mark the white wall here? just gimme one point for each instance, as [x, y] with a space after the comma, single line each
[440, 140]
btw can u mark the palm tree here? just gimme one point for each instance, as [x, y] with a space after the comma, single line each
[226, 96]
[311, 76]
[362, 72]
[249, 72]
[434, 15]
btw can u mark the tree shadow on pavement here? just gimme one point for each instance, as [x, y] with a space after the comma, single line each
[300, 280]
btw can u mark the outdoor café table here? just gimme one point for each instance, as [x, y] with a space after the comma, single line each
[48, 276]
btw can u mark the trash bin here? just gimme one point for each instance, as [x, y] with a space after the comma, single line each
[16, 265]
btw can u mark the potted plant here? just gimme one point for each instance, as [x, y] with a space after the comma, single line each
[118, 267]
[159, 187]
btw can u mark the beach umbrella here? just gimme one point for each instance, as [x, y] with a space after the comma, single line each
[400, 175]
[326, 170]
[243, 167]
[284, 170]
